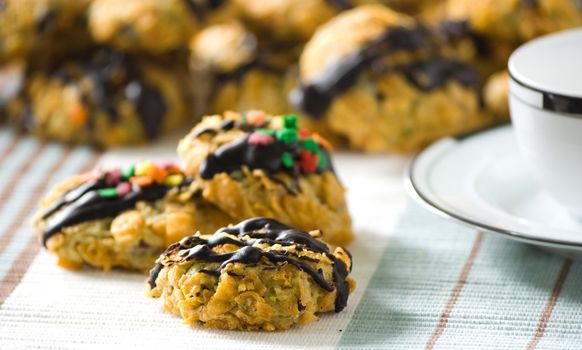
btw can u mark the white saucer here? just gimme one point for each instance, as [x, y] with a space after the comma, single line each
[481, 180]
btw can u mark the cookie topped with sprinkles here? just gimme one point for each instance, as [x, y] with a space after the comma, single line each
[253, 164]
[254, 140]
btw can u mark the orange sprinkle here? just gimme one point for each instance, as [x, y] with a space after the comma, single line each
[141, 181]
[173, 169]
[255, 117]
[323, 142]
[157, 174]
[79, 116]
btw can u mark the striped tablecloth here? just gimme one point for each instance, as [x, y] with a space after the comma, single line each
[423, 282]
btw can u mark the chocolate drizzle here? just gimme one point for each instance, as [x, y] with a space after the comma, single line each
[112, 74]
[202, 9]
[240, 153]
[84, 203]
[317, 96]
[259, 231]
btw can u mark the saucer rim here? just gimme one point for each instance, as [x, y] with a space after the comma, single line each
[416, 193]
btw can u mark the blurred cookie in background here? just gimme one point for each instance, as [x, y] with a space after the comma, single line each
[516, 21]
[42, 31]
[376, 78]
[106, 98]
[496, 94]
[233, 70]
[151, 26]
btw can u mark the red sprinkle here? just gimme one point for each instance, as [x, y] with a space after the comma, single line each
[123, 189]
[303, 132]
[308, 162]
[259, 138]
[112, 177]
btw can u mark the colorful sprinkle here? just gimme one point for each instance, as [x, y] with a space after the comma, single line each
[258, 138]
[142, 168]
[310, 145]
[323, 161]
[303, 132]
[157, 174]
[266, 131]
[322, 142]
[108, 192]
[141, 181]
[112, 177]
[175, 180]
[287, 135]
[290, 121]
[287, 160]
[308, 162]
[256, 117]
[79, 116]
[123, 188]
[128, 172]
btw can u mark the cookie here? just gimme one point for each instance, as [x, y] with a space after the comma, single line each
[288, 20]
[43, 30]
[252, 164]
[496, 94]
[104, 99]
[257, 275]
[516, 21]
[152, 26]
[236, 71]
[375, 77]
[122, 217]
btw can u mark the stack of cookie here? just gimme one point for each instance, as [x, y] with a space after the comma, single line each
[372, 75]
[264, 273]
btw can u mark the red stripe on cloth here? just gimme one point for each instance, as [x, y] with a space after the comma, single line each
[444, 319]
[11, 146]
[8, 191]
[547, 313]
[22, 263]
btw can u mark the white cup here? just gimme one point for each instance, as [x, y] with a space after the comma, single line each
[546, 111]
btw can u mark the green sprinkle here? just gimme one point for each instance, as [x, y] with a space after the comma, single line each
[290, 121]
[243, 118]
[322, 162]
[128, 172]
[287, 135]
[266, 131]
[310, 145]
[109, 192]
[287, 160]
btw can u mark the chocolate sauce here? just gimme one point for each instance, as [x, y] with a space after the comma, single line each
[112, 73]
[259, 230]
[431, 74]
[452, 31]
[425, 75]
[84, 203]
[233, 156]
[316, 97]
[341, 5]
[202, 9]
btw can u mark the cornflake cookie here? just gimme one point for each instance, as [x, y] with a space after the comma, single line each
[516, 21]
[257, 275]
[252, 164]
[104, 99]
[379, 79]
[232, 70]
[122, 217]
[42, 29]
